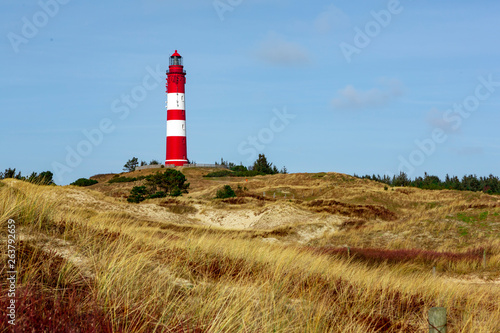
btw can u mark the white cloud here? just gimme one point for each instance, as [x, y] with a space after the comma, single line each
[275, 50]
[332, 18]
[435, 119]
[352, 98]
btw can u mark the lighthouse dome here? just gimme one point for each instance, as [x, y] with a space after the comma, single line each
[175, 59]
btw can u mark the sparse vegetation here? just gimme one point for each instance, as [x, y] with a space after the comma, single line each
[123, 179]
[110, 267]
[177, 207]
[228, 173]
[219, 173]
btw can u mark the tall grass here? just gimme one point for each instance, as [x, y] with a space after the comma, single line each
[138, 276]
[26, 203]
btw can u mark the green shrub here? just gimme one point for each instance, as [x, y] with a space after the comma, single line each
[137, 194]
[248, 173]
[239, 168]
[159, 194]
[84, 182]
[172, 182]
[121, 180]
[225, 192]
[175, 192]
[159, 185]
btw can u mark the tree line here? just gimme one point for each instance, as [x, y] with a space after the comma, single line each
[490, 184]
[42, 178]
[133, 163]
[261, 166]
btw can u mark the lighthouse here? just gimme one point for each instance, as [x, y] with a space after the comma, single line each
[176, 112]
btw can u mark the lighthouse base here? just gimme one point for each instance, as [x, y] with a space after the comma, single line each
[176, 162]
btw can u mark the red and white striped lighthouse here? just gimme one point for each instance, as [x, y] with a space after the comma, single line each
[176, 112]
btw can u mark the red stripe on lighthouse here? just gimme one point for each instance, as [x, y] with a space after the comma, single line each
[176, 115]
[176, 150]
[175, 85]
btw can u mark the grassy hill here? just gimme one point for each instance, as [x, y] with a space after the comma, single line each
[322, 252]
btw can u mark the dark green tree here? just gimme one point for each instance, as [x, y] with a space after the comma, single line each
[225, 192]
[137, 194]
[261, 165]
[44, 178]
[154, 162]
[471, 183]
[430, 182]
[131, 164]
[490, 184]
[401, 180]
[11, 173]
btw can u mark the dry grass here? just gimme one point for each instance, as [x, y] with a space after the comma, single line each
[104, 269]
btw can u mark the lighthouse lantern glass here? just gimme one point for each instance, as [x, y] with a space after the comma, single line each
[175, 61]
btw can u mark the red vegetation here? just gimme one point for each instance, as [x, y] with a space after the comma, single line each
[347, 209]
[57, 310]
[373, 255]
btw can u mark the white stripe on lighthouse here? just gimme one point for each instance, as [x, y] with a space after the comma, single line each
[175, 101]
[176, 128]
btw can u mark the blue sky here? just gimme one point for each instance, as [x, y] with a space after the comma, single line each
[344, 86]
